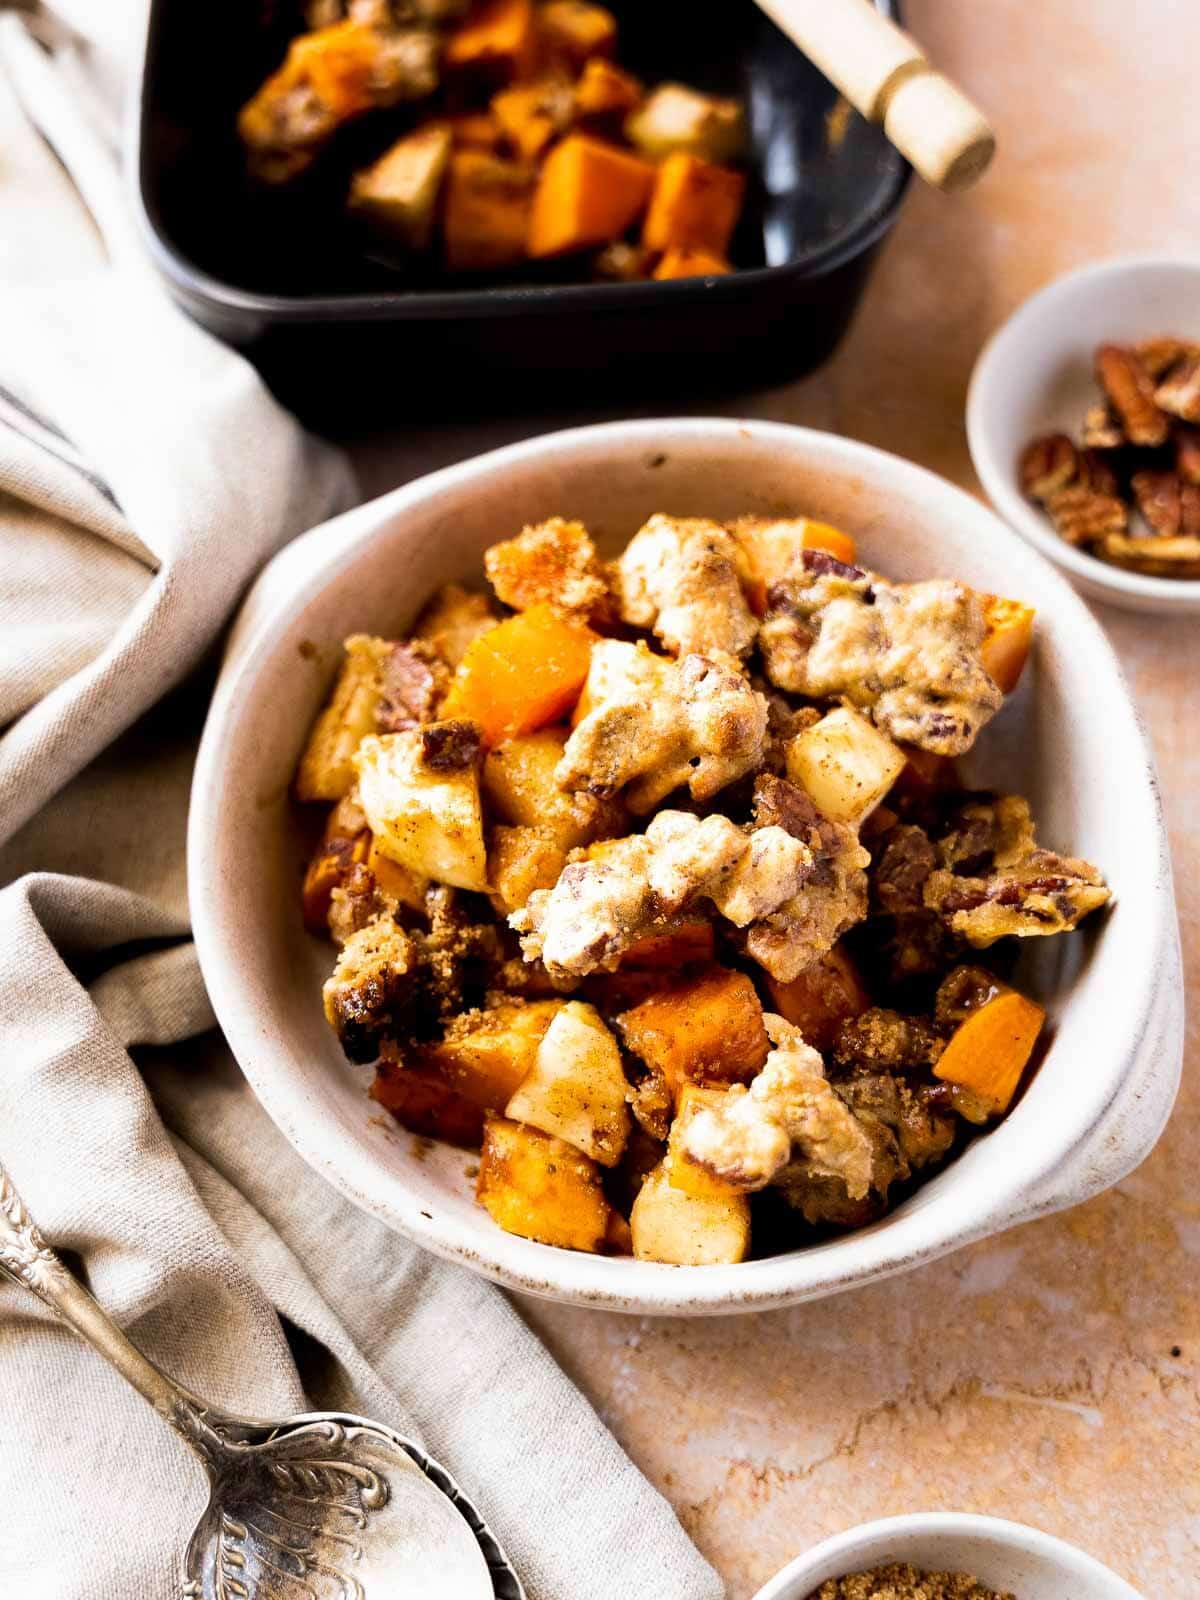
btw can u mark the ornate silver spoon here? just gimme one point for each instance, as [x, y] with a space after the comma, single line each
[323, 1506]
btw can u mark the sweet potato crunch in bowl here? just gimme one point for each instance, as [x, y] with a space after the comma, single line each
[655, 880]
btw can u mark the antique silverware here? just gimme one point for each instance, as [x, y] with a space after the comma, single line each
[323, 1506]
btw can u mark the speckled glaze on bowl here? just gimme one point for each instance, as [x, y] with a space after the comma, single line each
[1070, 739]
[1036, 375]
[1007, 1556]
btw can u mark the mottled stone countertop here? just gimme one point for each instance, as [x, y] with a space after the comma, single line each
[1051, 1374]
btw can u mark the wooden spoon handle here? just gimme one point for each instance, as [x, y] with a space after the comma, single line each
[886, 76]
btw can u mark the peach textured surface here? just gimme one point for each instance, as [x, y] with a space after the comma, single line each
[1050, 1375]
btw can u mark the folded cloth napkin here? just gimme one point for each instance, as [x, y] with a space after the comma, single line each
[144, 475]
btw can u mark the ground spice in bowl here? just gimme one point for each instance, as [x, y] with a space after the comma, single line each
[906, 1583]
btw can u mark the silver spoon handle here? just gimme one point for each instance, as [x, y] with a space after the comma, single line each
[25, 1256]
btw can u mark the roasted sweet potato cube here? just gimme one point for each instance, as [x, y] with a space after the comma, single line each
[605, 92]
[668, 1224]
[422, 1101]
[398, 194]
[485, 1054]
[452, 620]
[553, 561]
[520, 860]
[1006, 644]
[588, 193]
[330, 865]
[707, 1029]
[573, 31]
[475, 130]
[485, 220]
[694, 206]
[532, 115]
[824, 996]
[689, 944]
[497, 41]
[990, 1049]
[542, 1188]
[520, 788]
[521, 675]
[772, 549]
[686, 262]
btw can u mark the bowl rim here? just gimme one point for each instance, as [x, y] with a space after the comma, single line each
[903, 1239]
[1001, 1531]
[376, 305]
[998, 478]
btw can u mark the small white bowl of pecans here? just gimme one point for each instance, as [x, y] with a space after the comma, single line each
[1083, 419]
[946, 1556]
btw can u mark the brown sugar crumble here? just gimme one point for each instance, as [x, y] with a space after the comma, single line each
[902, 1582]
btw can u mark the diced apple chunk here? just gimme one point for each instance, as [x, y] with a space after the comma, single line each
[670, 1225]
[424, 809]
[398, 194]
[845, 764]
[675, 118]
[542, 1188]
[576, 1088]
[520, 788]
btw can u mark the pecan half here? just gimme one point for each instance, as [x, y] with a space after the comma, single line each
[1047, 465]
[1156, 355]
[1096, 474]
[1081, 516]
[1101, 430]
[1179, 391]
[1130, 391]
[1154, 557]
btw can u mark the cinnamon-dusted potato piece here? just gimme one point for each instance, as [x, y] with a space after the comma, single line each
[675, 118]
[453, 620]
[420, 791]
[553, 561]
[772, 550]
[669, 1224]
[496, 41]
[577, 31]
[542, 1188]
[485, 218]
[708, 1029]
[326, 770]
[532, 115]
[1005, 647]
[521, 675]
[398, 193]
[576, 1087]
[520, 788]
[605, 91]
[484, 1055]
[522, 860]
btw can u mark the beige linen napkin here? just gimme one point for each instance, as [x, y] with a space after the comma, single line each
[144, 475]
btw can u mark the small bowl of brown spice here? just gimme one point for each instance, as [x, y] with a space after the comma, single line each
[945, 1556]
[1083, 419]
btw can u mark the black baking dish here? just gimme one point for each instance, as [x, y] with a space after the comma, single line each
[338, 334]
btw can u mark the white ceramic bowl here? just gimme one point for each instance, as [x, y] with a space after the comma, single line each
[1070, 740]
[1036, 375]
[1007, 1556]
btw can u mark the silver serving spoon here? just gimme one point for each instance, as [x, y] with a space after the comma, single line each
[323, 1506]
